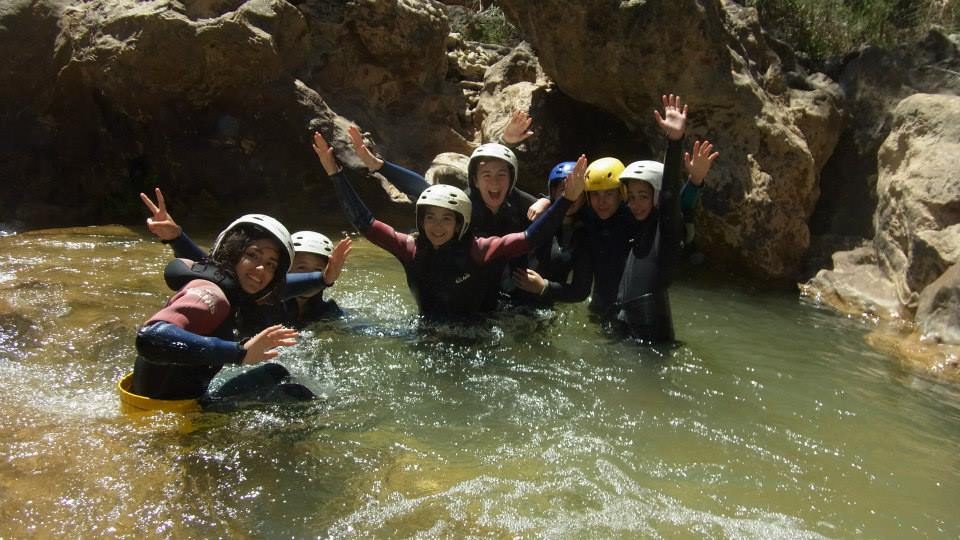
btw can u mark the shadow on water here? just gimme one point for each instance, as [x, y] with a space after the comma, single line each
[769, 419]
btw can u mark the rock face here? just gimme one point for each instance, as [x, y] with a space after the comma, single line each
[779, 131]
[909, 270]
[938, 309]
[213, 101]
[918, 213]
[873, 81]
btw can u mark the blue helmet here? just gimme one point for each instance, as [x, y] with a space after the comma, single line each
[560, 171]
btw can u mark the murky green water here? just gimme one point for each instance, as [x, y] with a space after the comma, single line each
[772, 420]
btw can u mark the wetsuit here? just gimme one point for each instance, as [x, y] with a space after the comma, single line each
[288, 312]
[185, 344]
[643, 305]
[448, 282]
[511, 217]
[689, 197]
[316, 308]
[610, 242]
[564, 263]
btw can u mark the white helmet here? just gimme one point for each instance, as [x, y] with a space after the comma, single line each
[650, 172]
[266, 223]
[312, 242]
[449, 197]
[488, 151]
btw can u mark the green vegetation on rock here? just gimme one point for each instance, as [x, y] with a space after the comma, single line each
[821, 29]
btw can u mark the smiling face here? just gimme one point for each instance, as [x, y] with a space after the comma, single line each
[604, 202]
[639, 199]
[439, 225]
[493, 182]
[258, 265]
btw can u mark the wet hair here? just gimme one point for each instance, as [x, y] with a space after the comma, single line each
[231, 250]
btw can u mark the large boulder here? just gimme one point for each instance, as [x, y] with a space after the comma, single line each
[918, 211]
[938, 309]
[775, 131]
[874, 80]
[856, 286]
[909, 270]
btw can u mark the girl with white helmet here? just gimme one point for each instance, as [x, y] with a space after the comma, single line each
[498, 206]
[184, 345]
[317, 264]
[652, 192]
[447, 267]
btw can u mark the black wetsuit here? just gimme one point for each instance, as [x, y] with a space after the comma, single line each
[186, 344]
[510, 218]
[564, 263]
[643, 305]
[183, 347]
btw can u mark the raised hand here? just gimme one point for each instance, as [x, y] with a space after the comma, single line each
[673, 122]
[325, 153]
[372, 162]
[699, 164]
[538, 208]
[574, 183]
[161, 223]
[528, 280]
[518, 128]
[263, 345]
[337, 258]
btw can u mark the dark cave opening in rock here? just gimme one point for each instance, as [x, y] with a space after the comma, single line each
[576, 128]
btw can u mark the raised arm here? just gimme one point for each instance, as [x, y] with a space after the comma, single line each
[357, 212]
[673, 122]
[408, 182]
[697, 166]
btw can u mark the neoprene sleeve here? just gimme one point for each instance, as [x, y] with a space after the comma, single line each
[689, 194]
[185, 248]
[357, 213]
[546, 225]
[407, 181]
[165, 343]
[303, 284]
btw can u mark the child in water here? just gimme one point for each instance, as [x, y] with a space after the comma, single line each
[652, 192]
[317, 264]
[560, 270]
[447, 267]
[184, 345]
[498, 207]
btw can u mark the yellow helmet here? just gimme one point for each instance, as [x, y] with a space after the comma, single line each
[603, 174]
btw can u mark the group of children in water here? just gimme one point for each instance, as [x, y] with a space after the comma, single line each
[610, 231]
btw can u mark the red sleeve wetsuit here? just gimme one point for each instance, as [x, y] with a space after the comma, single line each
[183, 346]
[448, 282]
